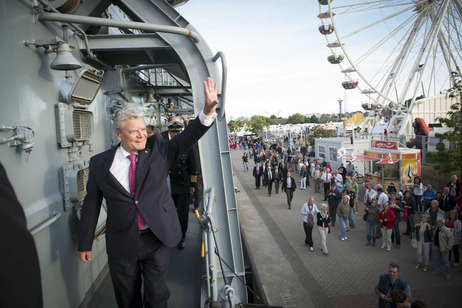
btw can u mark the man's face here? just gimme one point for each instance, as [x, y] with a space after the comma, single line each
[439, 223]
[288, 174]
[429, 186]
[133, 135]
[434, 205]
[393, 273]
[446, 190]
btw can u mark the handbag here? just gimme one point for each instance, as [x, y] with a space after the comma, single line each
[414, 240]
[365, 216]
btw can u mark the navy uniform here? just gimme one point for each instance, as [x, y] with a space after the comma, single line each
[183, 179]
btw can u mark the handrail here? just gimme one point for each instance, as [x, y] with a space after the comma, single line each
[224, 73]
[46, 223]
[96, 21]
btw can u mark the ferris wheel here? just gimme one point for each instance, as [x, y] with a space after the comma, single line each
[394, 51]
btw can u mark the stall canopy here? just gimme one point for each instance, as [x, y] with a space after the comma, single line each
[360, 158]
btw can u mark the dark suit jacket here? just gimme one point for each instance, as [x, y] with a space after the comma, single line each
[255, 171]
[265, 177]
[293, 183]
[152, 196]
[20, 283]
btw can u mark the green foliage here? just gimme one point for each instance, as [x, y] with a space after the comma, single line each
[313, 119]
[235, 126]
[447, 161]
[296, 118]
[327, 118]
[319, 132]
[259, 124]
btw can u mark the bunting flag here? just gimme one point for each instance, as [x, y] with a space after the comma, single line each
[341, 152]
[353, 157]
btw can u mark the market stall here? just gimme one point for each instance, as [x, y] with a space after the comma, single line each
[393, 165]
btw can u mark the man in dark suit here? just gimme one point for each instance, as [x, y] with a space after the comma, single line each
[183, 178]
[277, 178]
[289, 186]
[269, 178]
[142, 223]
[20, 283]
[257, 173]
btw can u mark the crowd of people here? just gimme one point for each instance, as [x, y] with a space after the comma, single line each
[432, 217]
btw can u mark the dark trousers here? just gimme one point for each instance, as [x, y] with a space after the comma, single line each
[149, 268]
[308, 234]
[326, 189]
[270, 186]
[396, 234]
[276, 185]
[257, 182]
[182, 208]
[290, 195]
[455, 248]
[333, 214]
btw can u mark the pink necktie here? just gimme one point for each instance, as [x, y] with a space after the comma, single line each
[131, 185]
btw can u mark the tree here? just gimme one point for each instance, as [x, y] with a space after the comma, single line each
[327, 118]
[449, 160]
[259, 124]
[296, 118]
[318, 132]
[235, 126]
[313, 119]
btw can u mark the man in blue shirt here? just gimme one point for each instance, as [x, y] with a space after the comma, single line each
[388, 282]
[427, 196]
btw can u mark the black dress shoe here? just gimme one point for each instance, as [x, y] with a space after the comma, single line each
[181, 245]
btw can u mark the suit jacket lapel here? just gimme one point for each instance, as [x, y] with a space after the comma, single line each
[144, 158]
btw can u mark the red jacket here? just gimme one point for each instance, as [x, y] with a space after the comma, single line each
[390, 216]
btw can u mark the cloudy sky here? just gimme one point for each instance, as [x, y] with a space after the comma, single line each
[277, 59]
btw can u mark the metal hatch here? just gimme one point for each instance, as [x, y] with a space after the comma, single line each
[85, 89]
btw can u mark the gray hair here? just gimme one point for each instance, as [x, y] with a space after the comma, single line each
[125, 114]
[323, 206]
[440, 218]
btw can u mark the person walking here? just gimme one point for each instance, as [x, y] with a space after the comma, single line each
[326, 178]
[303, 175]
[257, 173]
[343, 212]
[386, 220]
[372, 220]
[317, 174]
[277, 178]
[323, 219]
[245, 161]
[309, 211]
[333, 198]
[424, 233]
[269, 179]
[289, 186]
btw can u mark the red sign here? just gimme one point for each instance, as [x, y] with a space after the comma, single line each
[385, 145]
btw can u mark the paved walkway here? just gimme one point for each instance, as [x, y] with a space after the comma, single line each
[292, 276]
